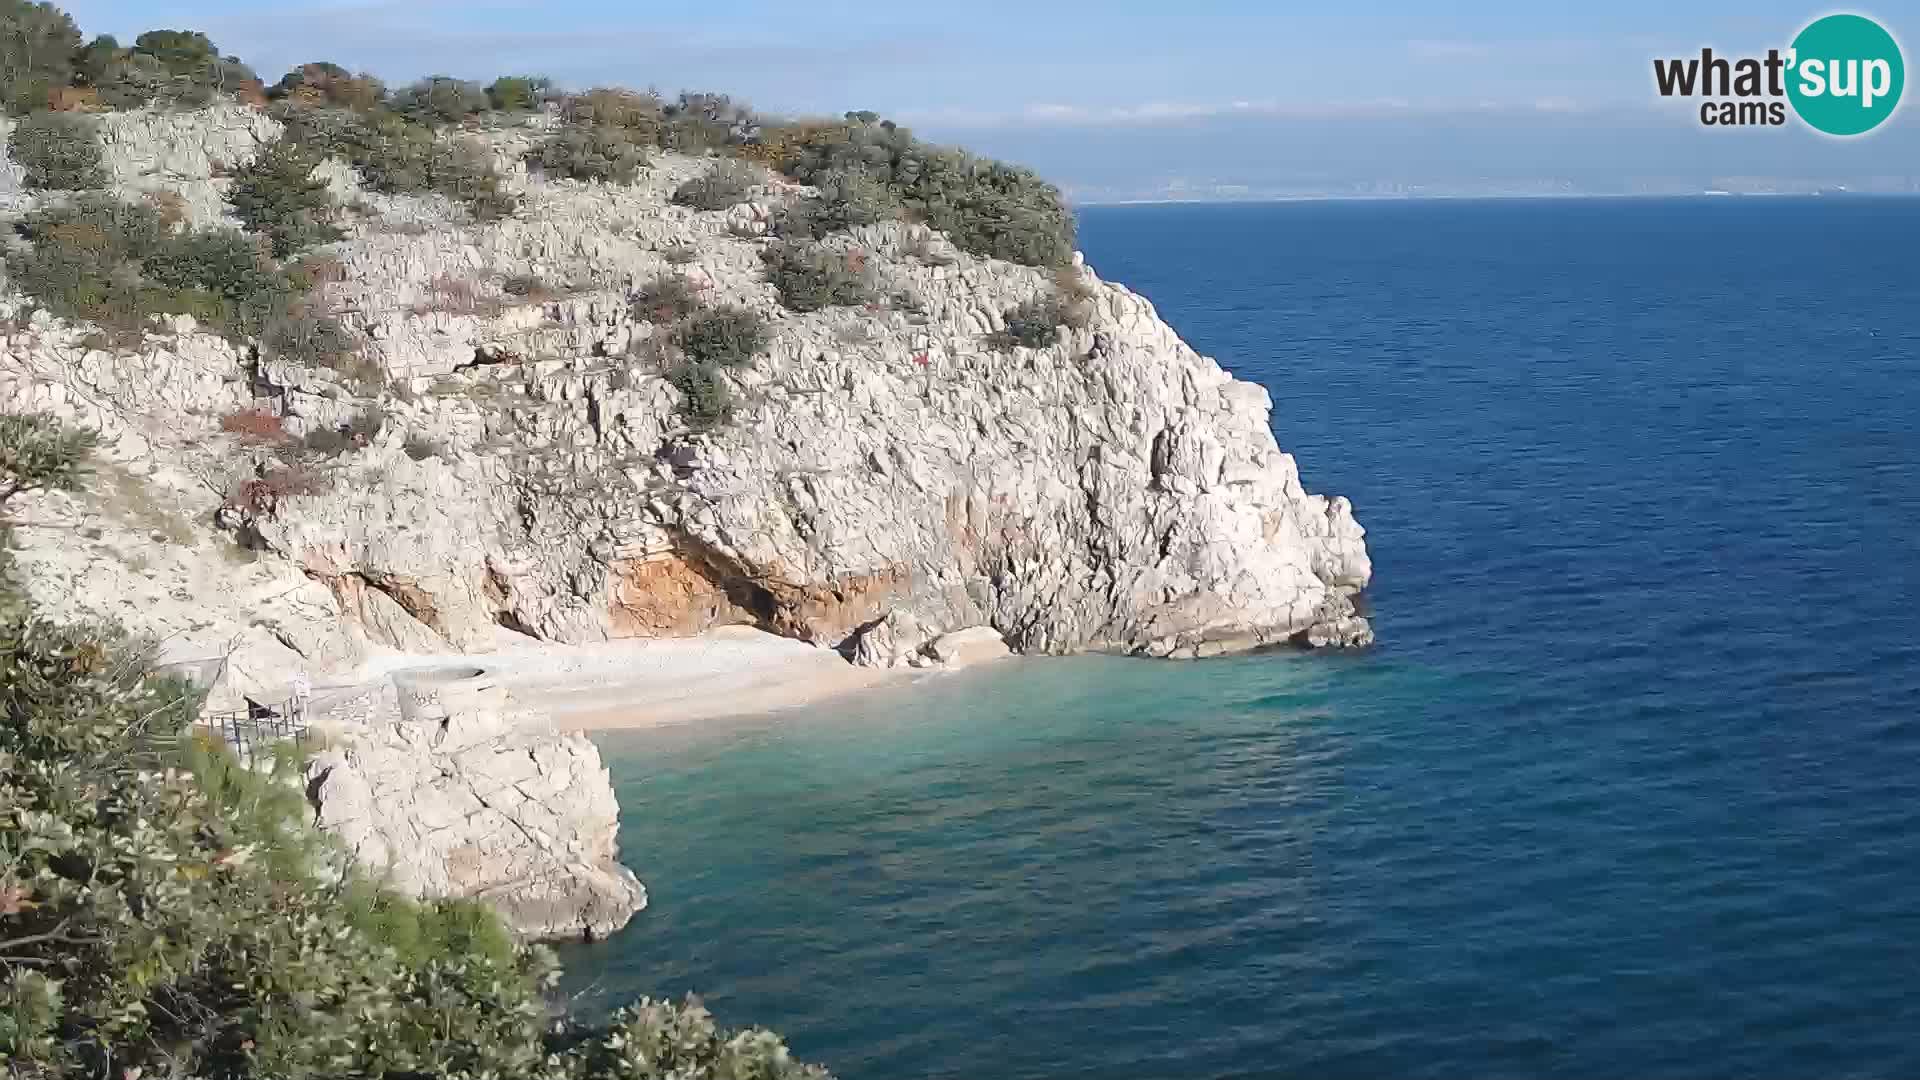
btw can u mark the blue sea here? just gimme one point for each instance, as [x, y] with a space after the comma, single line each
[1629, 787]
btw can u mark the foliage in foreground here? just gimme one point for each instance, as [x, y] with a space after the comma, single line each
[167, 912]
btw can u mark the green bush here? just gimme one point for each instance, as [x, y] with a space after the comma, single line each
[846, 201]
[37, 45]
[440, 99]
[519, 93]
[667, 298]
[37, 454]
[722, 337]
[1034, 324]
[810, 277]
[219, 260]
[83, 261]
[299, 333]
[726, 184]
[277, 196]
[706, 399]
[329, 84]
[640, 115]
[57, 150]
[987, 207]
[698, 122]
[603, 153]
[398, 157]
[118, 264]
[174, 67]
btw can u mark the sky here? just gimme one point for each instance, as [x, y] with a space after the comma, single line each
[1130, 99]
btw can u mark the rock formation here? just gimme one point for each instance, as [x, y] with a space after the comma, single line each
[444, 789]
[888, 477]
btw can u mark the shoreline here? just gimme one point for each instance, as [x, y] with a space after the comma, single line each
[652, 682]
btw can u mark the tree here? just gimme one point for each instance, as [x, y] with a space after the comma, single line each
[37, 43]
[182, 52]
[92, 64]
[277, 196]
[57, 151]
[440, 99]
[519, 93]
[325, 83]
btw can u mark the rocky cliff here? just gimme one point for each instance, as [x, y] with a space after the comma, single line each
[888, 475]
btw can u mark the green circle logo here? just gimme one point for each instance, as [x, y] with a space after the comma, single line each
[1846, 74]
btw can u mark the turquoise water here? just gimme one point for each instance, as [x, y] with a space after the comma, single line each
[1629, 787]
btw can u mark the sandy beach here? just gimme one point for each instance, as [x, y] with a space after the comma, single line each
[646, 682]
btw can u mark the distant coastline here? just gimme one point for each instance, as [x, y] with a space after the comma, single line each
[1493, 197]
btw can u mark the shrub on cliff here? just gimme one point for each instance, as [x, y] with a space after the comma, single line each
[219, 264]
[519, 93]
[726, 184]
[82, 260]
[666, 299]
[987, 207]
[706, 399]
[1034, 324]
[117, 264]
[602, 153]
[440, 99]
[722, 336]
[640, 115]
[845, 201]
[277, 196]
[698, 122]
[37, 44]
[810, 277]
[297, 332]
[398, 157]
[172, 67]
[328, 84]
[59, 151]
[165, 911]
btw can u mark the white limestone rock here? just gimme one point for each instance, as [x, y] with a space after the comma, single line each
[967, 648]
[456, 793]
